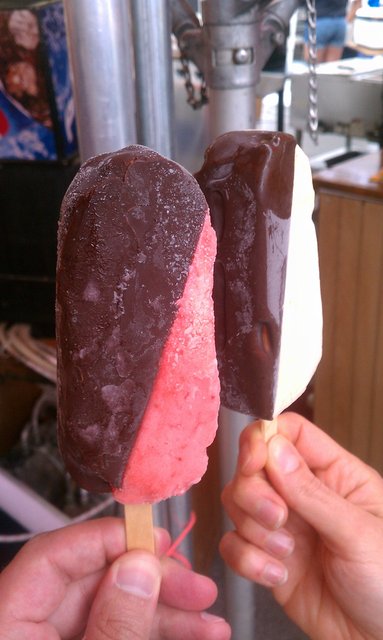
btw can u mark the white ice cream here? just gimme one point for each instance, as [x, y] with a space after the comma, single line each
[301, 335]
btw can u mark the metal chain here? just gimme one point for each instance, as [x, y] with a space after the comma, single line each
[195, 103]
[312, 60]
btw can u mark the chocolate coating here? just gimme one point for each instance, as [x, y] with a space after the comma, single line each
[129, 225]
[247, 178]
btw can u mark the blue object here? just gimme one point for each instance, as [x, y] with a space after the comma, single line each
[330, 32]
[38, 121]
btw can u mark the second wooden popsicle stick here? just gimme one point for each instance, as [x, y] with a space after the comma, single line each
[269, 428]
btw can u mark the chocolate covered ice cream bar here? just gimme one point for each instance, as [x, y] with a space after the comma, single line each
[267, 298]
[137, 373]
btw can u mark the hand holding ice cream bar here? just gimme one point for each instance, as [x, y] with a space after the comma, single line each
[267, 292]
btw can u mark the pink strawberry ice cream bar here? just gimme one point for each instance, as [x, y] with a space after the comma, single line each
[138, 385]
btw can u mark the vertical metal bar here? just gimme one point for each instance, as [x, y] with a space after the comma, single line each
[232, 43]
[155, 129]
[100, 49]
[240, 598]
[231, 47]
[154, 78]
[231, 110]
[281, 110]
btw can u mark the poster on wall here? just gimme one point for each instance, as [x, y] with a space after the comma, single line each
[37, 119]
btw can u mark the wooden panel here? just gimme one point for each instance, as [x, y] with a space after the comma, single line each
[367, 323]
[349, 382]
[339, 219]
[344, 319]
[328, 240]
[376, 433]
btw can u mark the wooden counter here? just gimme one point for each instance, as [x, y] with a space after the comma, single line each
[353, 177]
[349, 380]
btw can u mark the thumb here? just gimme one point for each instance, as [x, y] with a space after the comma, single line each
[327, 512]
[126, 600]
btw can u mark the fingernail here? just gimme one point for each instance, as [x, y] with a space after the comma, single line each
[283, 455]
[275, 574]
[209, 617]
[269, 513]
[136, 576]
[280, 543]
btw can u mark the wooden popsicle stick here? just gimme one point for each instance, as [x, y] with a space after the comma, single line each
[269, 428]
[139, 527]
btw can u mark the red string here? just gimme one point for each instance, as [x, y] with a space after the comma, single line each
[172, 551]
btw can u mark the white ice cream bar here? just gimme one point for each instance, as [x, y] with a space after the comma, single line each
[267, 292]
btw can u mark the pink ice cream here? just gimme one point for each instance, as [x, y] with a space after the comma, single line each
[180, 420]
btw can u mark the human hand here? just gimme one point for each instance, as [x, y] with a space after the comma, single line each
[78, 582]
[309, 524]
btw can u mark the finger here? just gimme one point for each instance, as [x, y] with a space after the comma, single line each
[255, 496]
[252, 453]
[126, 601]
[251, 562]
[64, 566]
[331, 515]
[162, 541]
[318, 449]
[250, 488]
[184, 589]
[35, 582]
[340, 470]
[277, 542]
[175, 623]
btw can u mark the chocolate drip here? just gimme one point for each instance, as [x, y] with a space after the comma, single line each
[129, 225]
[247, 178]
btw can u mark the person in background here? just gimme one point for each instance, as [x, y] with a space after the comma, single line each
[330, 30]
[78, 582]
[353, 7]
[308, 520]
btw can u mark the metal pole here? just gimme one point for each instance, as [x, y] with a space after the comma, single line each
[232, 65]
[240, 597]
[155, 117]
[232, 43]
[100, 49]
[239, 112]
[154, 79]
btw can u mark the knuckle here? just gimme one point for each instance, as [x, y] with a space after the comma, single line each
[312, 487]
[247, 564]
[246, 491]
[234, 496]
[116, 620]
[244, 436]
[224, 543]
[241, 493]
[35, 545]
[226, 495]
[240, 556]
[37, 540]
[112, 628]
